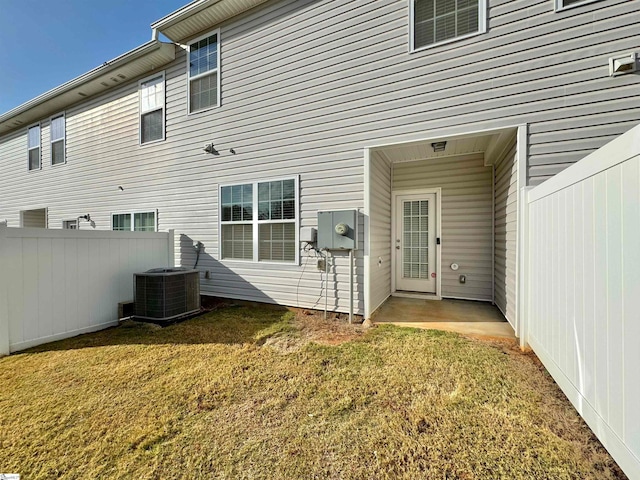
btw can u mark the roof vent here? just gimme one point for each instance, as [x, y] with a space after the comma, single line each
[104, 83]
[82, 94]
[121, 76]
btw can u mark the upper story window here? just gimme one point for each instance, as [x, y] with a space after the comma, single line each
[259, 221]
[562, 4]
[33, 147]
[439, 21]
[152, 100]
[203, 72]
[58, 150]
[142, 222]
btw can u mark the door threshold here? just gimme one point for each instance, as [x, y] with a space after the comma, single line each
[422, 296]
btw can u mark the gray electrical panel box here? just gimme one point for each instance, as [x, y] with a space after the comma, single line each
[337, 230]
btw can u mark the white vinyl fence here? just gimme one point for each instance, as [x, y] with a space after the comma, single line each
[582, 312]
[56, 284]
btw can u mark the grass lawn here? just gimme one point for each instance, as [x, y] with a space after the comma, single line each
[247, 392]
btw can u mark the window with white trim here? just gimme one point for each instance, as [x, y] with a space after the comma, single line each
[152, 101]
[33, 147]
[202, 70]
[562, 4]
[58, 133]
[439, 21]
[142, 222]
[259, 221]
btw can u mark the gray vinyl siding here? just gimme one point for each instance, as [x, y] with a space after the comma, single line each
[380, 230]
[506, 231]
[306, 86]
[467, 219]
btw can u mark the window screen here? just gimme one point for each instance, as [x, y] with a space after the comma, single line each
[33, 142]
[58, 140]
[203, 73]
[152, 98]
[122, 221]
[142, 222]
[268, 236]
[439, 20]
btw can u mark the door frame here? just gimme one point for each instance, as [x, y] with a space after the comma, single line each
[394, 218]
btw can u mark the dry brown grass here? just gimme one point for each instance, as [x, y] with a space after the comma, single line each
[260, 393]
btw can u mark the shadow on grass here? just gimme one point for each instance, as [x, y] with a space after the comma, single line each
[229, 325]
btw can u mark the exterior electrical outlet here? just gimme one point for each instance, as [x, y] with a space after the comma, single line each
[337, 230]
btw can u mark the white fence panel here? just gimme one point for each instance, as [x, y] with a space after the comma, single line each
[583, 288]
[56, 284]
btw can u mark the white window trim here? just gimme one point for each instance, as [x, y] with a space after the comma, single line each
[132, 213]
[189, 78]
[560, 6]
[31, 148]
[164, 108]
[482, 28]
[64, 139]
[256, 223]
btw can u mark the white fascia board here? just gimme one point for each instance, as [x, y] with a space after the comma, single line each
[126, 59]
[181, 14]
[199, 16]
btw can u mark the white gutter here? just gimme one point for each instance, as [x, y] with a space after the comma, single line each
[181, 14]
[82, 79]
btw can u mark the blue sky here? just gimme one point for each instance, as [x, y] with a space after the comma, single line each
[48, 42]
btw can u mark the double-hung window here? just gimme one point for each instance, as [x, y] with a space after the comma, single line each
[134, 222]
[259, 221]
[203, 71]
[152, 100]
[58, 154]
[33, 147]
[439, 21]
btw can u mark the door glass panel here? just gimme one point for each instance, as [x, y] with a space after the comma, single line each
[415, 231]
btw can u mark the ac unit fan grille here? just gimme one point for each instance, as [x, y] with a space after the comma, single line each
[166, 295]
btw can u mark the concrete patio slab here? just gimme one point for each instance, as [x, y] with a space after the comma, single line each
[480, 329]
[461, 316]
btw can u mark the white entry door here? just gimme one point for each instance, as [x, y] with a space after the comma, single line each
[415, 243]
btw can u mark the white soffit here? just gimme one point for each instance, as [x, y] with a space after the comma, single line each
[484, 143]
[120, 70]
[199, 16]
[424, 150]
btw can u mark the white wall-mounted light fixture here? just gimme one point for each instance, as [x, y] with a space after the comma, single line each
[623, 64]
[210, 148]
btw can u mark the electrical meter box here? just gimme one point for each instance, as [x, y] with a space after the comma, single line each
[337, 230]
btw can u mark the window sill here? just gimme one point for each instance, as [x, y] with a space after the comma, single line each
[53, 165]
[231, 261]
[189, 113]
[451, 40]
[152, 142]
